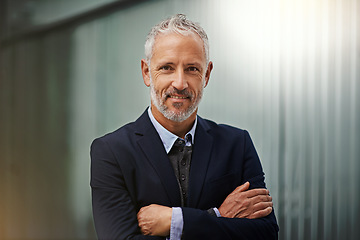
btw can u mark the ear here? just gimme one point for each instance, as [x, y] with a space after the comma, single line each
[208, 72]
[145, 70]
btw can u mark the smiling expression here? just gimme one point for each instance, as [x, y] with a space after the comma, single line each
[177, 75]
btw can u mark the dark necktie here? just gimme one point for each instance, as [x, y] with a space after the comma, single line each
[180, 158]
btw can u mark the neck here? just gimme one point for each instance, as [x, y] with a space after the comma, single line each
[177, 128]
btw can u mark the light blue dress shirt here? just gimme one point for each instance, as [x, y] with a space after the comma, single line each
[168, 139]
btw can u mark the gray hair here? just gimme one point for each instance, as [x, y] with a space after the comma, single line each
[178, 24]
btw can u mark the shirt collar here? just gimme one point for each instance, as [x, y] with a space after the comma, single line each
[167, 137]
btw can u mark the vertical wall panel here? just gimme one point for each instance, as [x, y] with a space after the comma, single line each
[6, 102]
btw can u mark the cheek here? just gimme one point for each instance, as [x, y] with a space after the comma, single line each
[198, 84]
[161, 81]
[160, 87]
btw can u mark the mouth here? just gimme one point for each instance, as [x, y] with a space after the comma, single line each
[177, 97]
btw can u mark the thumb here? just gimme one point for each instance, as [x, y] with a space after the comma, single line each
[243, 188]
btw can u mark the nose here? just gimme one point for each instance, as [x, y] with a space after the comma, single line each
[179, 82]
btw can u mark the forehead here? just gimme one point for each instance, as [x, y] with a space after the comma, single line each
[178, 46]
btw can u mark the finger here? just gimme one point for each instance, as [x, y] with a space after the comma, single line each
[259, 202]
[242, 188]
[255, 192]
[138, 214]
[262, 213]
[145, 231]
[140, 217]
[261, 206]
[260, 198]
[257, 209]
[140, 211]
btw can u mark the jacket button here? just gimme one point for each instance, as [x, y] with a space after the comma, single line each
[182, 177]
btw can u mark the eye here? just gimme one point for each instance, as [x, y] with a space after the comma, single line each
[192, 69]
[165, 68]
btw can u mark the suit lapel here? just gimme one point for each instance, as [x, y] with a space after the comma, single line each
[151, 145]
[199, 162]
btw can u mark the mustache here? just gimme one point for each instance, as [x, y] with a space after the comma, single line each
[185, 92]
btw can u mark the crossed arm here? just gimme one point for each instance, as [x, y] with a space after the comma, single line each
[245, 213]
[155, 220]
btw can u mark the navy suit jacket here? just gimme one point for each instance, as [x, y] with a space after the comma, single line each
[130, 169]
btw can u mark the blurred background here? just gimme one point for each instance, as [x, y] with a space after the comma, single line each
[288, 71]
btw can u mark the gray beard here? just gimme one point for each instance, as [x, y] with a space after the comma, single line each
[159, 103]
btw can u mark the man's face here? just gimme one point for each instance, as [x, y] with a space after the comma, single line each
[177, 75]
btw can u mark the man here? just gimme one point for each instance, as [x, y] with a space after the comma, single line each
[171, 174]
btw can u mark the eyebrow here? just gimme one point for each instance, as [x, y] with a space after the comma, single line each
[193, 64]
[165, 63]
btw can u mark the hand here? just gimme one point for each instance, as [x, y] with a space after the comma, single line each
[244, 203]
[155, 220]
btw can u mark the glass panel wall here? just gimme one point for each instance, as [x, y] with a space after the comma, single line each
[287, 71]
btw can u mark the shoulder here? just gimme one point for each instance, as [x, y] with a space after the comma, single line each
[128, 132]
[117, 139]
[123, 131]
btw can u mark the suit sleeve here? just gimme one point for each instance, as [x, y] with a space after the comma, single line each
[113, 209]
[198, 224]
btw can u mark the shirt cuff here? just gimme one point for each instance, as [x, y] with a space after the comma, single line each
[217, 212]
[177, 224]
